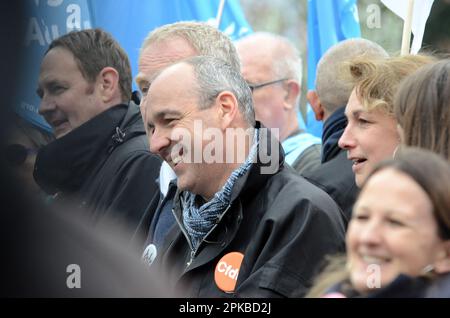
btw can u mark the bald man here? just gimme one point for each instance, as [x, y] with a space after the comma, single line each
[328, 101]
[272, 67]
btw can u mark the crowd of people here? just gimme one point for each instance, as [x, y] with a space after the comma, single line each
[217, 189]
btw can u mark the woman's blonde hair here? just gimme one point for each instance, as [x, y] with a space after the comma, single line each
[376, 80]
[335, 272]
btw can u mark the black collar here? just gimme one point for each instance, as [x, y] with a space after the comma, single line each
[268, 163]
[66, 163]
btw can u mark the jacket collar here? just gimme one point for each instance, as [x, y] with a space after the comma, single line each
[66, 163]
[270, 160]
[333, 129]
[268, 163]
[224, 232]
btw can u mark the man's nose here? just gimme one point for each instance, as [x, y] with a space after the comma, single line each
[47, 105]
[158, 142]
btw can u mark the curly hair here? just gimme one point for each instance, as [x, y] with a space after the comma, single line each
[376, 80]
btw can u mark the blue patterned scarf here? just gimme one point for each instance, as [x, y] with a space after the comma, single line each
[198, 220]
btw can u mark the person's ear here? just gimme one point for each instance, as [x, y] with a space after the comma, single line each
[316, 105]
[228, 108]
[442, 264]
[108, 83]
[292, 93]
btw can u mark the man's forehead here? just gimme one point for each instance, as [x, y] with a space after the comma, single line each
[142, 77]
[175, 76]
[172, 87]
[58, 57]
[58, 63]
[48, 77]
[161, 54]
[150, 70]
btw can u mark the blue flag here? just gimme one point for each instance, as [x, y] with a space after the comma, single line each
[329, 22]
[129, 21]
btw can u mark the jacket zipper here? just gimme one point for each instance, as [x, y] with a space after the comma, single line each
[185, 235]
[194, 253]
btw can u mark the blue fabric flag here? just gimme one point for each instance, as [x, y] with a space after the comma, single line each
[129, 21]
[329, 22]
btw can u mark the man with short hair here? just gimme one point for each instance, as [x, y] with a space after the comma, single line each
[245, 224]
[273, 68]
[164, 46]
[328, 101]
[171, 43]
[100, 159]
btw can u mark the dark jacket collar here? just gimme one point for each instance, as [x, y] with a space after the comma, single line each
[402, 286]
[247, 185]
[66, 163]
[262, 170]
[333, 128]
[266, 160]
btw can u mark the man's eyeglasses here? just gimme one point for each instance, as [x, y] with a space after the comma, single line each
[256, 86]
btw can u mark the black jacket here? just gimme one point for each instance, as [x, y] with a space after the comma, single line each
[104, 166]
[282, 224]
[335, 175]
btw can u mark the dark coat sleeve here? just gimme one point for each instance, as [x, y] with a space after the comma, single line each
[132, 188]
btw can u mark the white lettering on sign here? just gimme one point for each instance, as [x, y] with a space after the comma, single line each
[228, 270]
[39, 32]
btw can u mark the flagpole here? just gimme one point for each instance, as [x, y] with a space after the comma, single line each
[406, 38]
[219, 13]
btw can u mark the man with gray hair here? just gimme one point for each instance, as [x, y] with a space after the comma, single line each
[164, 46]
[241, 228]
[173, 42]
[328, 101]
[273, 68]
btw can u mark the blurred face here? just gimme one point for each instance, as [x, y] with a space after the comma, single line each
[21, 147]
[68, 100]
[392, 231]
[269, 101]
[174, 121]
[369, 137]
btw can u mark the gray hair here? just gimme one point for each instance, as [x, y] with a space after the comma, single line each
[214, 76]
[285, 60]
[204, 38]
[331, 87]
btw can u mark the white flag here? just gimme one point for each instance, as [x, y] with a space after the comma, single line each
[421, 12]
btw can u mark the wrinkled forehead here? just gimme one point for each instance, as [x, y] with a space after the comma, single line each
[158, 55]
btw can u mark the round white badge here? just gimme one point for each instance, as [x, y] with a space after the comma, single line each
[149, 254]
